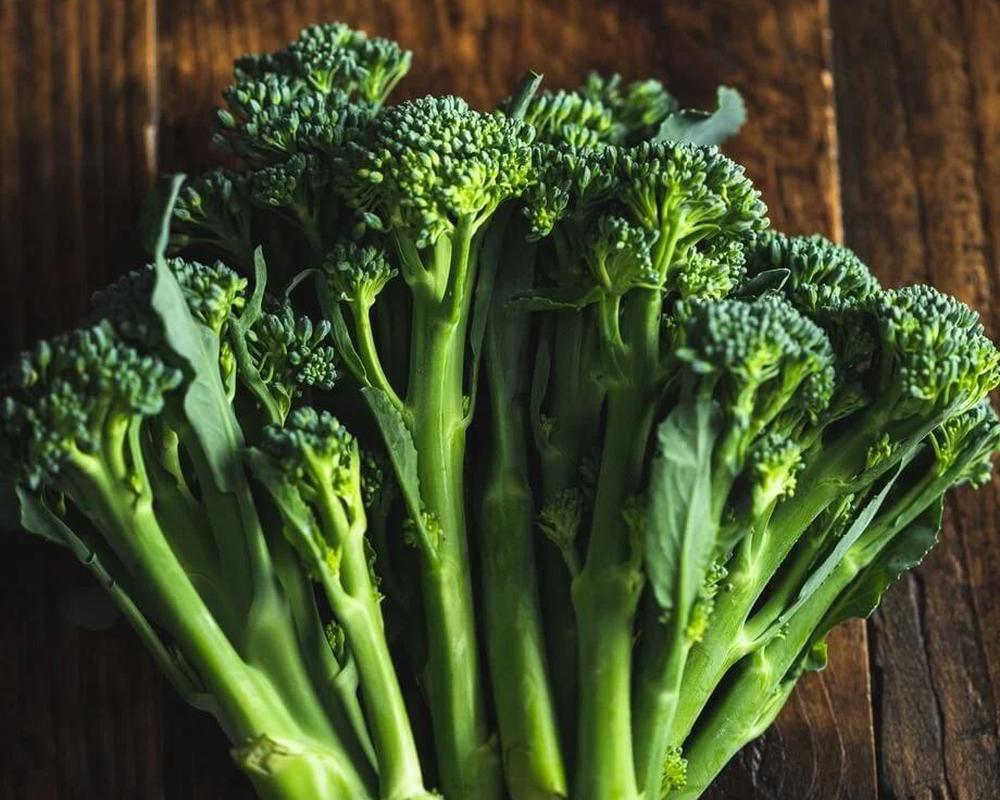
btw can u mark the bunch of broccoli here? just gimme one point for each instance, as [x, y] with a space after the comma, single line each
[624, 456]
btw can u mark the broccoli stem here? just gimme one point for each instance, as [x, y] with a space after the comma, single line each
[576, 399]
[355, 603]
[336, 683]
[769, 671]
[515, 640]
[369, 353]
[758, 557]
[249, 705]
[436, 401]
[605, 603]
[267, 638]
[661, 661]
[605, 595]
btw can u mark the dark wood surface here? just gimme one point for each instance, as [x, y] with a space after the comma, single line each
[873, 120]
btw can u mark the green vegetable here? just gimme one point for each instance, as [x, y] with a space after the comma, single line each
[621, 456]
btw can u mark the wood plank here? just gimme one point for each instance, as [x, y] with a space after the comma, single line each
[81, 710]
[920, 97]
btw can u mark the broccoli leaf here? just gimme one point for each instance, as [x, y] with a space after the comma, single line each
[904, 552]
[706, 127]
[555, 299]
[822, 571]
[399, 445]
[206, 406]
[679, 535]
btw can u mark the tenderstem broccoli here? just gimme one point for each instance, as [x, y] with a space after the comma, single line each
[490, 453]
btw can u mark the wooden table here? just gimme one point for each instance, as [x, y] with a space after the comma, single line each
[875, 121]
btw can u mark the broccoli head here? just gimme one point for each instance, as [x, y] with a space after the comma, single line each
[427, 166]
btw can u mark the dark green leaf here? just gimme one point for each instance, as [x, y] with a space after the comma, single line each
[399, 446]
[766, 281]
[206, 405]
[680, 531]
[706, 127]
[903, 552]
[556, 299]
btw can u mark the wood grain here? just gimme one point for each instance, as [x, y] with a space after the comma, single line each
[82, 711]
[97, 95]
[918, 85]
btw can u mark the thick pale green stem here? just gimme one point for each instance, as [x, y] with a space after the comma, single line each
[605, 604]
[249, 706]
[355, 604]
[467, 762]
[605, 596]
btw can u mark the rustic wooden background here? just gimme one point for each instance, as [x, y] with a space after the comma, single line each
[875, 121]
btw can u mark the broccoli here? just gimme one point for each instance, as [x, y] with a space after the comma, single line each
[312, 467]
[78, 414]
[629, 454]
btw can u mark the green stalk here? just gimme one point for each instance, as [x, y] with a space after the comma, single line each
[606, 592]
[515, 641]
[575, 404]
[249, 707]
[467, 763]
[267, 639]
[758, 557]
[605, 603]
[355, 604]
[760, 686]
[605, 595]
[336, 684]
[661, 658]
[764, 679]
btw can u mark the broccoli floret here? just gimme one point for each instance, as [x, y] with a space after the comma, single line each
[568, 184]
[559, 520]
[316, 453]
[275, 117]
[712, 269]
[69, 403]
[300, 190]
[935, 357]
[688, 192]
[571, 119]
[357, 274]
[213, 210]
[968, 441]
[773, 464]
[428, 166]
[334, 57]
[674, 773]
[762, 356]
[638, 108]
[822, 275]
[619, 255]
[290, 355]
[214, 294]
